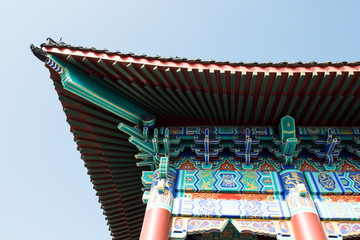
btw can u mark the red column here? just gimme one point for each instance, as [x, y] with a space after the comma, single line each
[304, 217]
[156, 225]
[307, 226]
[157, 220]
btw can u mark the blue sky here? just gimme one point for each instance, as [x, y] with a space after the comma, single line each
[45, 191]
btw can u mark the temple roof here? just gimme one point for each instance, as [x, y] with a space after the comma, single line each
[192, 92]
[178, 91]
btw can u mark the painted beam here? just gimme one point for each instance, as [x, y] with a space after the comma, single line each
[96, 92]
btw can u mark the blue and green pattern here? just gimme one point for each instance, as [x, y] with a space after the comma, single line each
[322, 183]
[292, 180]
[165, 197]
[228, 181]
[350, 181]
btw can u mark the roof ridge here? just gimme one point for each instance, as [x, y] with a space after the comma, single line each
[51, 43]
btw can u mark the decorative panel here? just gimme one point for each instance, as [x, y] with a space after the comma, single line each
[324, 183]
[228, 181]
[230, 208]
[337, 211]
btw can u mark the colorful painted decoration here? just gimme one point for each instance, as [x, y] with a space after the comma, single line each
[349, 229]
[205, 164]
[230, 208]
[163, 198]
[228, 181]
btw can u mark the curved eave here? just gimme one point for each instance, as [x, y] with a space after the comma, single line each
[109, 159]
[196, 93]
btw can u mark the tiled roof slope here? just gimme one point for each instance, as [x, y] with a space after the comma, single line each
[109, 159]
[193, 92]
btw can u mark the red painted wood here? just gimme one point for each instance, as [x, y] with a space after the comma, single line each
[307, 226]
[156, 225]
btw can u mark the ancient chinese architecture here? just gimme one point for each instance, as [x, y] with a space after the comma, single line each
[180, 148]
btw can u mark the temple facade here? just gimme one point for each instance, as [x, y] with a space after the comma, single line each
[192, 149]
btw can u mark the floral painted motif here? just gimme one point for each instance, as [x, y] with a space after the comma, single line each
[349, 228]
[263, 227]
[205, 225]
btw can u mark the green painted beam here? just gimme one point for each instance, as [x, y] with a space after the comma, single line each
[226, 107]
[348, 100]
[313, 79]
[167, 109]
[188, 104]
[179, 105]
[107, 68]
[253, 82]
[87, 62]
[288, 82]
[182, 77]
[203, 104]
[232, 80]
[242, 82]
[248, 108]
[218, 105]
[173, 79]
[223, 80]
[324, 80]
[300, 82]
[302, 106]
[240, 107]
[211, 104]
[312, 107]
[338, 99]
[98, 93]
[322, 108]
[203, 78]
[192, 99]
[232, 108]
[174, 95]
[276, 83]
[292, 104]
[354, 107]
[347, 81]
[335, 81]
[269, 106]
[279, 108]
[264, 83]
[192, 77]
[158, 73]
[259, 107]
[213, 79]
[72, 60]
[356, 85]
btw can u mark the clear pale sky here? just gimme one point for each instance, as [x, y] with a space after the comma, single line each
[45, 190]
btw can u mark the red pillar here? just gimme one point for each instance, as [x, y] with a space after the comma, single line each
[307, 226]
[156, 225]
[157, 220]
[304, 217]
